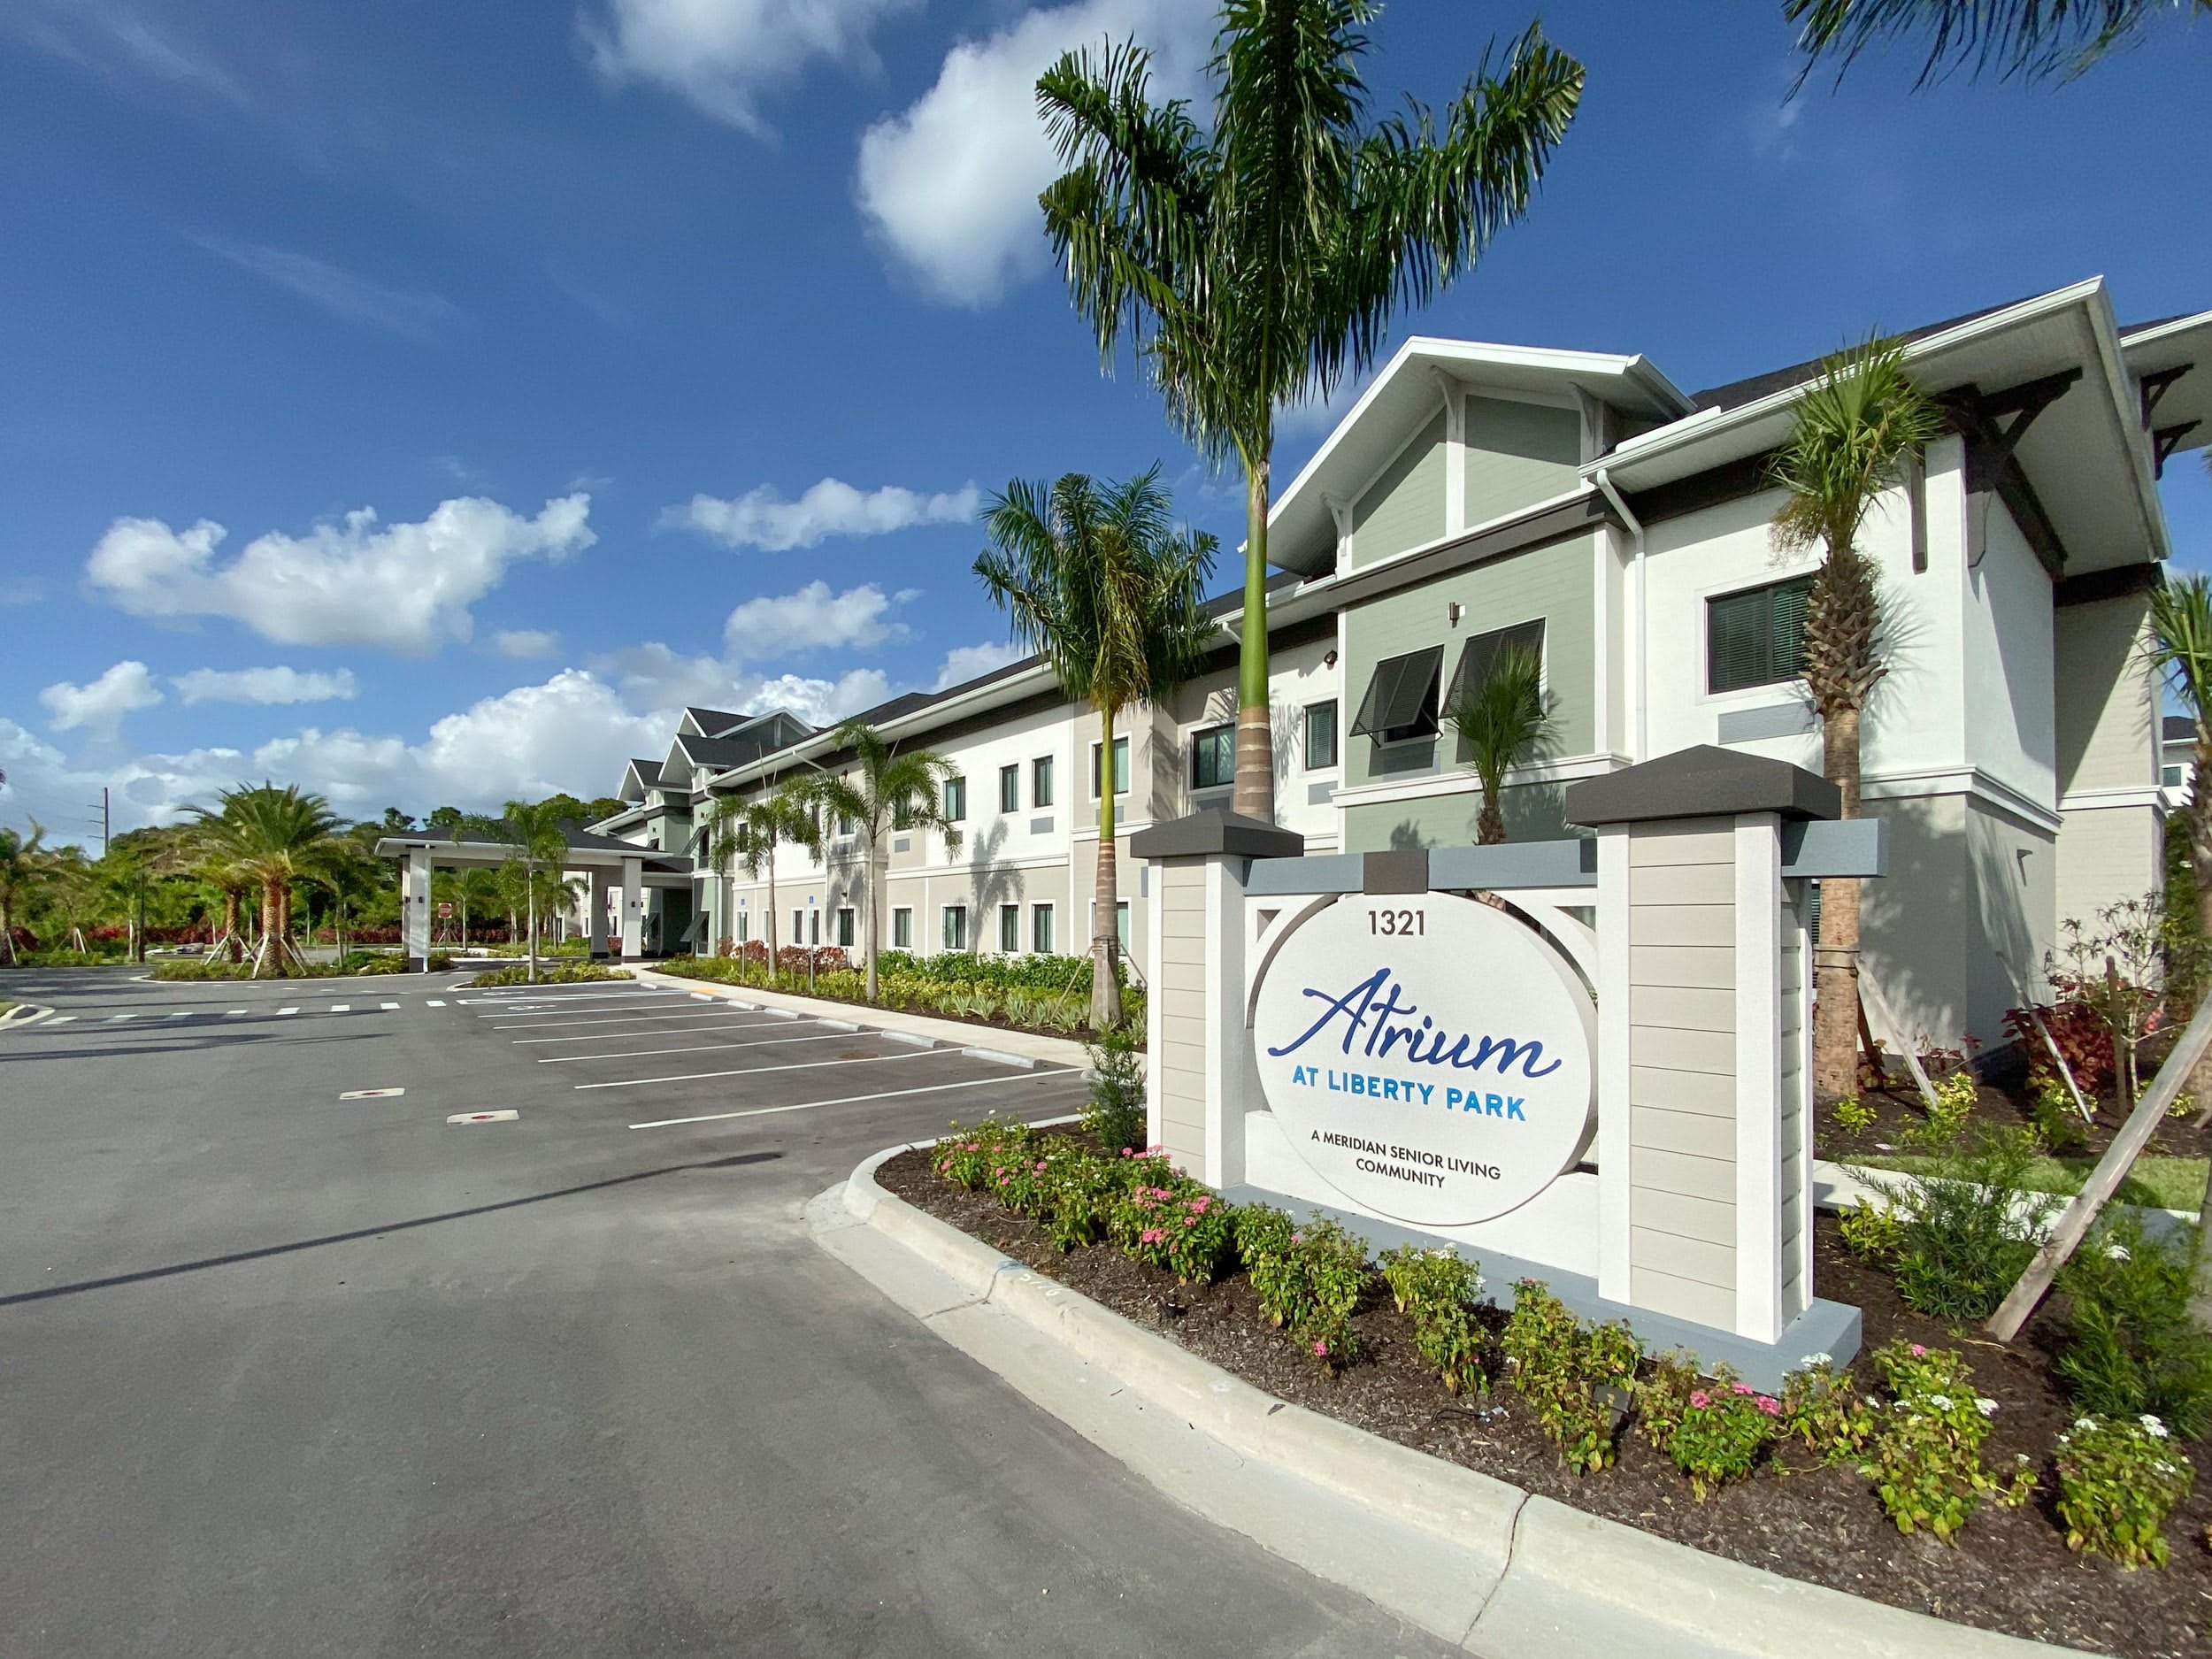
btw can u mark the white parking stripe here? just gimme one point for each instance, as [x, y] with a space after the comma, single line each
[182, 1013]
[232, 1013]
[638, 1054]
[690, 1023]
[113, 1018]
[287, 1010]
[61, 1020]
[845, 1100]
[341, 1008]
[603, 1020]
[763, 1070]
[552, 992]
[683, 1002]
[391, 1005]
[436, 1001]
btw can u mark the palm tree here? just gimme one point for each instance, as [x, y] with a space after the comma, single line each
[1504, 718]
[1262, 262]
[747, 833]
[887, 788]
[2181, 649]
[275, 837]
[1097, 579]
[537, 848]
[2033, 38]
[1857, 427]
[23, 871]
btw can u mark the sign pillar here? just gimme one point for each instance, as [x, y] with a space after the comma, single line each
[633, 909]
[1198, 1054]
[1704, 1164]
[414, 904]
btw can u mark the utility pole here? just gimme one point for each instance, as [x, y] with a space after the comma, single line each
[103, 822]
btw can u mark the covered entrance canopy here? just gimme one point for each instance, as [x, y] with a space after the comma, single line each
[602, 858]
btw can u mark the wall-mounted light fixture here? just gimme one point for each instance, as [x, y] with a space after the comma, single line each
[1328, 657]
[1452, 612]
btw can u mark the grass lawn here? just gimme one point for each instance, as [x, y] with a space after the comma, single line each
[2161, 1183]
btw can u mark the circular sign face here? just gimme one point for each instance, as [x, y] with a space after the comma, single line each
[1429, 1056]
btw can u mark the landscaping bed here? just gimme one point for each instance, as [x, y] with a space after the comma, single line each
[2008, 1570]
[550, 974]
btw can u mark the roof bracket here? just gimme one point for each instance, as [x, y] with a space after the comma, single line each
[2165, 440]
[2154, 387]
[1991, 467]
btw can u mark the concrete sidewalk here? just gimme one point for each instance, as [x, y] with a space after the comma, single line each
[1473, 1560]
[994, 1039]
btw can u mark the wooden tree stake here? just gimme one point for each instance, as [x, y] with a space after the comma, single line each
[1897, 1032]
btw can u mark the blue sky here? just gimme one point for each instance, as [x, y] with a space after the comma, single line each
[547, 367]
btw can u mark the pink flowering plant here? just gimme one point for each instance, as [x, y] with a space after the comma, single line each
[974, 1155]
[1436, 1289]
[1662, 1394]
[1924, 1448]
[1173, 1222]
[2119, 1479]
[1307, 1277]
[1725, 1426]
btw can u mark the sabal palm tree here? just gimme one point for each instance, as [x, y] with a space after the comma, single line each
[2031, 38]
[275, 837]
[1260, 260]
[885, 787]
[1504, 718]
[536, 837]
[746, 834]
[2181, 650]
[1856, 428]
[23, 874]
[1099, 581]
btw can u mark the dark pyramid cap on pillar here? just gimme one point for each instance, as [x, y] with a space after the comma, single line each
[1702, 782]
[1216, 830]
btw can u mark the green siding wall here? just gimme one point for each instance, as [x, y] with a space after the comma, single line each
[1516, 454]
[1533, 813]
[1552, 582]
[1404, 508]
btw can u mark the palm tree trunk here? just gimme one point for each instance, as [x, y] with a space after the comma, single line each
[231, 952]
[1490, 821]
[771, 913]
[1253, 795]
[7, 930]
[868, 918]
[1836, 1011]
[530, 899]
[1105, 937]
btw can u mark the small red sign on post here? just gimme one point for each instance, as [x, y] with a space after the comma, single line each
[445, 912]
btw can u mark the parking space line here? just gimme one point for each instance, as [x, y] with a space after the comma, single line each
[232, 1013]
[434, 1002]
[847, 1100]
[287, 1010]
[113, 1018]
[719, 1022]
[61, 1020]
[390, 1005]
[763, 1070]
[602, 1021]
[596, 1013]
[341, 1008]
[640, 1054]
[547, 993]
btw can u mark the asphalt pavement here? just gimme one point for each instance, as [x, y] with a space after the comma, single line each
[290, 1363]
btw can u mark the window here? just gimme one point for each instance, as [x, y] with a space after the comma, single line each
[1481, 653]
[1010, 789]
[1040, 781]
[955, 799]
[1121, 767]
[2170, 777]
[845, 925]
[844, 824]
[1400, 703]
[1755, 637]
[1321, 736]
[955, 928]
[798, 927]
[1010, 928]
[1213, 757]
[902, 927]
[1040, 929]
[742, 918]
[903, 813]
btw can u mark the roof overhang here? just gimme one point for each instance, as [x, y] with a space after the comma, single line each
[1302, 530]
[456, 855]
[2172, 361]
[2074, 454]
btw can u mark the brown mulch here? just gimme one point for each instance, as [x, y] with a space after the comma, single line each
[2011, 1572]
[1898, 1111]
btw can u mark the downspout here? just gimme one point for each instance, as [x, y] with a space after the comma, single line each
[1641, 689]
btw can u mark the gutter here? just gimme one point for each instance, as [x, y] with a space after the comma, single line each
[1603, 480]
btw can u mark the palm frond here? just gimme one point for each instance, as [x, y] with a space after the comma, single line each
[2181, 641]
[1504, 718]
[2031, 38]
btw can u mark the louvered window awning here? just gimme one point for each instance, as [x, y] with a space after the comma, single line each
[1484, 649]
[1402, 697]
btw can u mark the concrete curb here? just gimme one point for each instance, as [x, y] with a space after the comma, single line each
[1524, 1575]
[24, 1014]
[1021, 1048]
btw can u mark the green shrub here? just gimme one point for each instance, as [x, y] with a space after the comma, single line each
[1435, 1289]
[1578, 1378]
[1820, 1407]
[967, 1156]
[1662, 1395]
[1871, 1231]
[1169, 1221]
[567, 973]
[1853, 1114]
[1924, 1454]
[2118, 1479]
[1307, 1277]
[1723, 1430]
[1115, 1113]
[1954, 1104]
[1965, 1227]
[2131, 1346]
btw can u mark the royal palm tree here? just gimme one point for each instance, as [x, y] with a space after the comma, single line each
[746, 834]
[536, 836]
[885, 788]
[2031, 38]
[1099, 581]
[23, 874]
[1504, 718]
[275, 837]
[1260, 260]
[1857, 428]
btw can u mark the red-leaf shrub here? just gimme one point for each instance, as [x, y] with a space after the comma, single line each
[2084, 1039]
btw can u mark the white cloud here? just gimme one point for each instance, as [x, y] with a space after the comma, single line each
[965, 662]
[405, 586]
[722, 55]
[763, 518]
[100, 707]
[263, 685]
[416, 312]
[822, 702]
[950, 184]
[525, 642]
[811, 619]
